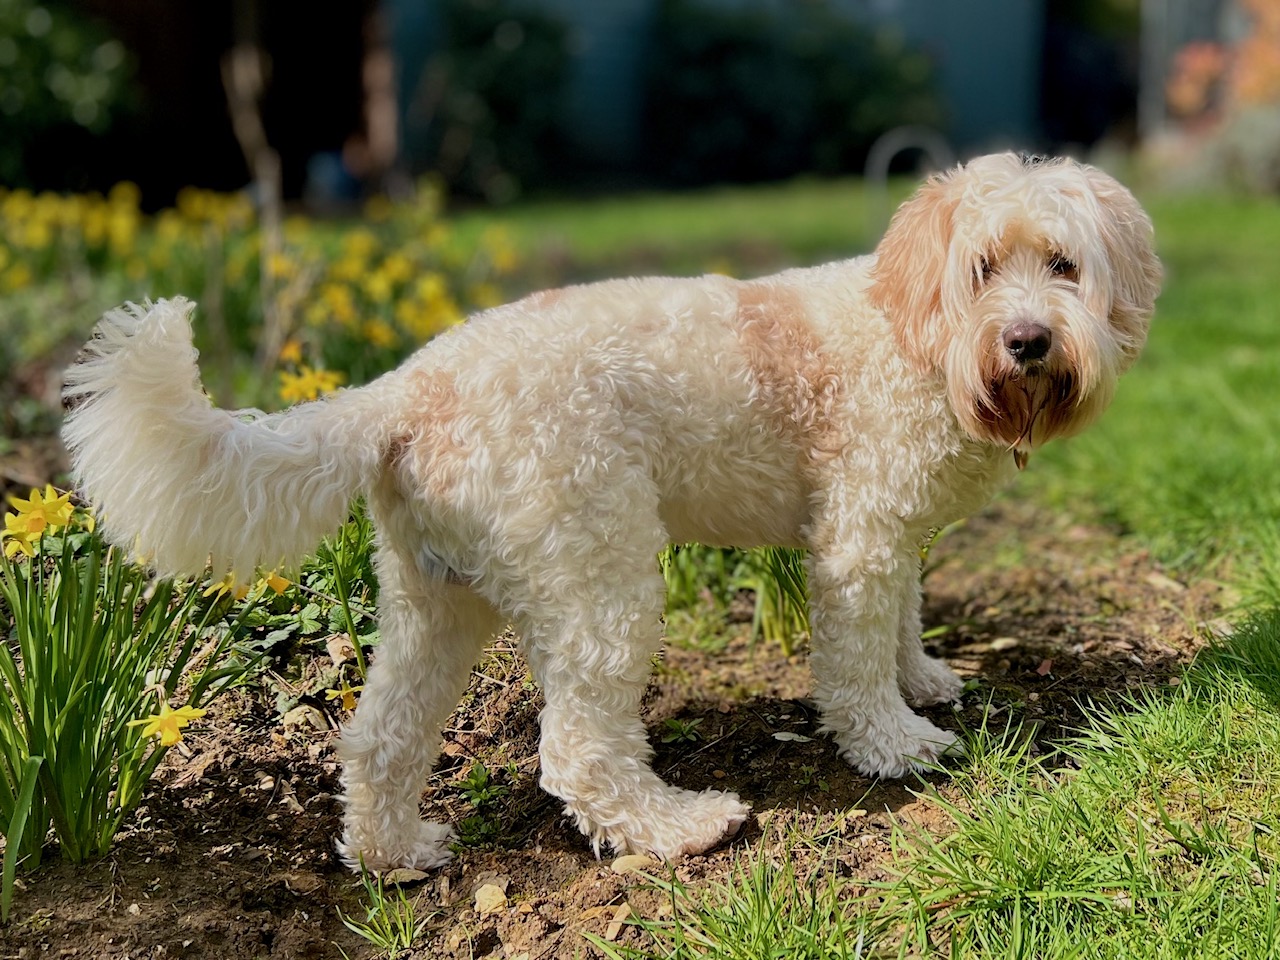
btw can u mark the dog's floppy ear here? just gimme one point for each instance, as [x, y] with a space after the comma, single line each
[911, 264]
[1136, 273]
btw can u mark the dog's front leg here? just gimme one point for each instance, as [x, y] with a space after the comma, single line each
[592, 663]
[923, 679]
[861, 575]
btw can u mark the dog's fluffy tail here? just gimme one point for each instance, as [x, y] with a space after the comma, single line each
[183, 484]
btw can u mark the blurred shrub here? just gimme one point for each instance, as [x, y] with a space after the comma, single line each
[1227, 97]
[767, 93]
[60, 78]
[498, 81]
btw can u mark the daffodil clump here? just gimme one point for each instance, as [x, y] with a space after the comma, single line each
[350, 299]
[379, 290]
[96, 660]
[104, 669]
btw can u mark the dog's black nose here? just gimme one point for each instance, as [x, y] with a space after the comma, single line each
[1027, 341]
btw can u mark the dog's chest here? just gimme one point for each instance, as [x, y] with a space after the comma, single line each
[960, 485]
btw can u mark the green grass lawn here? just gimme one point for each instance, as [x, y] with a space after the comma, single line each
[744, 228]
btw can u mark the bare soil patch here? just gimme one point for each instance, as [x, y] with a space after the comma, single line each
[232, 854]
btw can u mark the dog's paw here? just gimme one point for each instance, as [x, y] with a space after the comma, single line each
[424, 846]
[892, 747]
[701, 821]
[930, 681]
[668, 824]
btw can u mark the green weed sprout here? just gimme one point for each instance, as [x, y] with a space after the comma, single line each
[478, 786]
[391, 923]
[675, 730]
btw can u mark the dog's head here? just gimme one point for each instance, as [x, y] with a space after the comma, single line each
[1028, 284]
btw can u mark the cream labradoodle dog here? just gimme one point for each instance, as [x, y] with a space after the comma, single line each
[528, 465]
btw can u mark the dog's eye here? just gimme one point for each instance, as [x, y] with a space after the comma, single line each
[1060, 266]
[986, 269]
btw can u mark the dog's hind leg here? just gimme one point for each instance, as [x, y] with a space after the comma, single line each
[432, 634]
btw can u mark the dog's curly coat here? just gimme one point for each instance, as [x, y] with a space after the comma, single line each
[528, 465]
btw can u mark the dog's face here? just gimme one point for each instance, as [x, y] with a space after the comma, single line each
[1028, 284]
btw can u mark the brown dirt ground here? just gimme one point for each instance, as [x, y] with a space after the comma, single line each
[231, 855]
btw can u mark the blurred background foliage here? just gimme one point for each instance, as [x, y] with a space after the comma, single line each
[63, 80]
[758, 94]
[491, 107]
[498, 87]
[728, 94]
[497, 100]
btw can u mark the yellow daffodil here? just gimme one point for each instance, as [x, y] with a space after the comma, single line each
[348, 269]
[15, 544]
[37, 235]
[308, 384]
[380, 333]
[122, 231]
[274, 582]
[168, 723]
[94, 226]
[196, 204]
[398, 268]
[291, 352]
[169, 226]
[228, 586]
[339, 301]
[125, 194]
[360, 243]
[36, 514]
[431, 287]
[377, 287]
[347, 693]
[280, 266]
